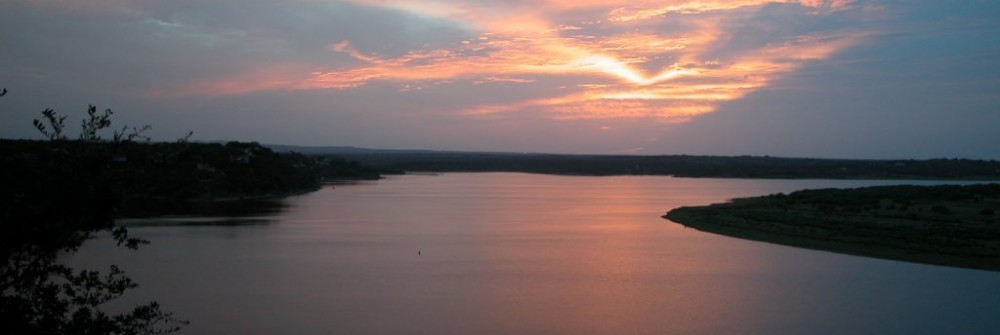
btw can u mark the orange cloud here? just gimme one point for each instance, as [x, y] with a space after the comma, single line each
[709, 84]
[633, 68]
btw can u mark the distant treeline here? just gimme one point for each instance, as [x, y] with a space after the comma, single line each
[149, 176]
[685, 166]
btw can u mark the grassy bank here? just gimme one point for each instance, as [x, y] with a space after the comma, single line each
[943, 225]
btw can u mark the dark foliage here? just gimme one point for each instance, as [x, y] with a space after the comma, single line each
[685, 166]
[59, 193]
[183, 178]
[902, 194]
[54, 199]
[943, 224]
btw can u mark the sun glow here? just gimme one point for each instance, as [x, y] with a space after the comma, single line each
[666, 60]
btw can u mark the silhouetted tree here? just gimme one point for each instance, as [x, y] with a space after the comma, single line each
[53, 200]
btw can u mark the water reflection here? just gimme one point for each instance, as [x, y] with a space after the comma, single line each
[509, 253]
[194, 221]
[268, 206]
[228, 213]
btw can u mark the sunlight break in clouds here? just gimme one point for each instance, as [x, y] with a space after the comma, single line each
[665, 60]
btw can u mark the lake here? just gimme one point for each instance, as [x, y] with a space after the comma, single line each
[509, 253]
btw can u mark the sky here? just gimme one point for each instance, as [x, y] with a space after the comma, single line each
[795, 78]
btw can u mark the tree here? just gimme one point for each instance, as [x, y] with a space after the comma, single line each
[57, 195]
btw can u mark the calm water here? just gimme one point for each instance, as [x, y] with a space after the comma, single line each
[503, 253]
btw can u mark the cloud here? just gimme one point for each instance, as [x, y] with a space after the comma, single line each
[503, 80]
[188, 47]
[665, 60]
[743, 76]
[622, 45]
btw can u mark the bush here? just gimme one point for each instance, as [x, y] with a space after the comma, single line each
[54, 200]
[941, 210]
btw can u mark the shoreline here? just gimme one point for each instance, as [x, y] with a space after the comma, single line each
[866, 222]
[840, 247]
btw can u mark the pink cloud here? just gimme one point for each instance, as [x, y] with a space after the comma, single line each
[632, 67]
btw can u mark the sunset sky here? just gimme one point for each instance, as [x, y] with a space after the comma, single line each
[812, 78]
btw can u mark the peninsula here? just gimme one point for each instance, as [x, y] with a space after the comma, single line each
[944, 225]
